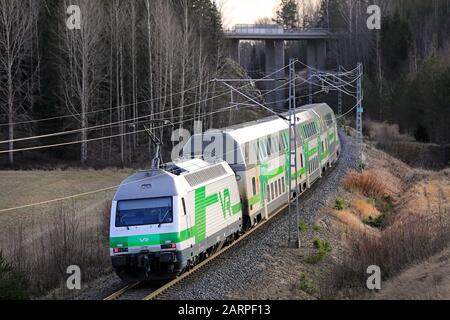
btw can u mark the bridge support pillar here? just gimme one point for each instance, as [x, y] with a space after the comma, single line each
[316, 54]
[275, 57]
[234, 50]
[321, 54]
[280, 94]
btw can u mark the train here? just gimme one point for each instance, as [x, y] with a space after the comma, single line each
[166, 220]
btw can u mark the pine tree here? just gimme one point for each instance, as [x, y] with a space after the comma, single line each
[287, 14]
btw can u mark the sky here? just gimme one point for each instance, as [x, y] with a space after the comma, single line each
[246, 11]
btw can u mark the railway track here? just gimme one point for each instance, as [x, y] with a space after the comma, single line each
[153, 293]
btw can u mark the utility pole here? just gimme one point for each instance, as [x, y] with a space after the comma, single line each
[339, 92]
[294, 238]
[359, 114]
[310, 88]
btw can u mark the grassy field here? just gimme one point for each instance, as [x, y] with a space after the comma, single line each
[26, 187]
[42, 241]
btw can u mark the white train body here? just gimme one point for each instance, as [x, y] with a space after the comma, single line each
[164, 220]
[258, 153]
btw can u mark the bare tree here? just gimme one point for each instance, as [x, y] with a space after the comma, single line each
[15, 52]
[81, 64]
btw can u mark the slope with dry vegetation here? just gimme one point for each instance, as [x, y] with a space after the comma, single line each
[394, 217]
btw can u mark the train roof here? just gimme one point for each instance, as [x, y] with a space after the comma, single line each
[251, 131]
[142, 184]
[163, 182]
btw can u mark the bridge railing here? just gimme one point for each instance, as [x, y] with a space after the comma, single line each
[268, 29]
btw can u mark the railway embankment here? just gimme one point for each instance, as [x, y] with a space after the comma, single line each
[390, 215]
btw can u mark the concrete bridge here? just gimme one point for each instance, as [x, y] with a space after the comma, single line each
[274, 37]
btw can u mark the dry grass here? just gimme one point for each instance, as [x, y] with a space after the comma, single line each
[61, 240]
[41, 242]
[366, 184]
[352, 222]
[393, 250]
[365, 210]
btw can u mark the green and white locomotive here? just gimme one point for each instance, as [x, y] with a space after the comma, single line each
[166, 220]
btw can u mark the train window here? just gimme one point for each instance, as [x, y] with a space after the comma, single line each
[254, 186]
[273, 191]
[184, 206]
[263, 146]
[260, 151]
[269, 146]
[268, 193]
[279, 187]
[282, 183]
[301, 160]
[276, 189]
[154, 211]
[275, 145]
[284, 145]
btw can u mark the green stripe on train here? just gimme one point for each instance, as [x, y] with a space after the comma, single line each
[254, 200]
[275, 173]
[202, 202]
[151, 239]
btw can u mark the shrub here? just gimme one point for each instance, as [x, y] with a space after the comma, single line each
[306, 284]
[377, 222]
[339, 204]
[316, 228]
[303, 227]
[323, 247]
[12, 284]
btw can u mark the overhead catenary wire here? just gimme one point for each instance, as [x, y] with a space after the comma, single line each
[102, 110]
[79, 195]
[136, 103]
[119, 123]
[117, 186]
[121, 134]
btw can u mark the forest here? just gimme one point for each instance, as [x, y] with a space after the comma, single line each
[88, 96]
[132, 66]
[406, 62]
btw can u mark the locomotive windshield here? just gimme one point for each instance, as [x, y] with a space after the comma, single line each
[132, 213]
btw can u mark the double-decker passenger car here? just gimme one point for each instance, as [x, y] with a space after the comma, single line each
[258, 152]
